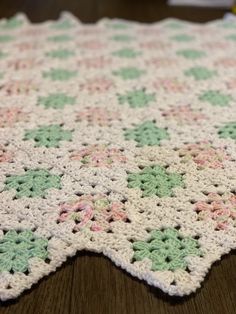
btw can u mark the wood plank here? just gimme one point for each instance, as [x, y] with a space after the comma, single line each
[50, 295]
[101, 287]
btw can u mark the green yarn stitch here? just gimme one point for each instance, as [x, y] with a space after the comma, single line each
[56, 100]
[11, 23]
[228, 131]
[129, 73]
[155, 180]
[60, 38]
[231, 37]
[175, 25]
[48, 136]
[18, 247]
[33, 183]
[191, 53]
[136, 98]
[2, 55]
[226, 24]
[182, 38]
[167, 250]
[146, 133]
[126, 53]
[118, 25]
[5, 38]
[200, 73]
[122, 37]
[60, 54]
[59, 74]
[216, 98]
[66, 24]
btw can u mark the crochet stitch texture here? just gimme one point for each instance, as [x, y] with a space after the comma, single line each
[119, 138]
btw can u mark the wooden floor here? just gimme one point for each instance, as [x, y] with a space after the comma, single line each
[89, 283]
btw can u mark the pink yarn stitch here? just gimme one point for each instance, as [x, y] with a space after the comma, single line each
[221, 209]
[5, 156]
[97, 63]
[155, 45]
[215, 45]
[172, 85]
[34, 31]
[92, 44]
[84, 31]
[21, 64]
[226, 62]
[9, 116]
[204, 155]
[148, 31]
[162, 62]
[231, 84]
[97, 85]
[94, 212]
[28, 45]
[98, 116]
[17, 87]
[99, 156]
[203, 31]
[184, 114]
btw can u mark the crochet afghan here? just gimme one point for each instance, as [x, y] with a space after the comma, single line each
[118, 138]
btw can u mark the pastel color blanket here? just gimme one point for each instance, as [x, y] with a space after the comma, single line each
[118, 138]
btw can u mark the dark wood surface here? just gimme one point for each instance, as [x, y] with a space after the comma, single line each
[90, 283]
[92, 10]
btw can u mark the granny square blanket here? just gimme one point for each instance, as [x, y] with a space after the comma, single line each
[117, 138]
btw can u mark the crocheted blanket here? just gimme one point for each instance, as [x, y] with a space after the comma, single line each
[118, 138]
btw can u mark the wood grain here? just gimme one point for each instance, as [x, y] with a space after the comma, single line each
[90, 283]
[93, 10]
